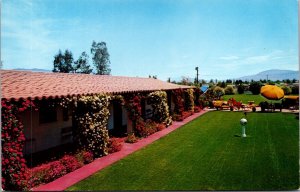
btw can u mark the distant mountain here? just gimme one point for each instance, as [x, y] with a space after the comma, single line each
[33, 69]
[273, 75]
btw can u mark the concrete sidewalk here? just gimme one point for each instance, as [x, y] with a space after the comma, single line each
[70, 179]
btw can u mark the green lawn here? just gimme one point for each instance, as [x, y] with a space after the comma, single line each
[245, 98]
[208, 154]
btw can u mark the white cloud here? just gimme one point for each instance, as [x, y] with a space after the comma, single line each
[229, 57]
[241, 65]
[26, 38]
[273, 57]
[30, 40]
[256, 59]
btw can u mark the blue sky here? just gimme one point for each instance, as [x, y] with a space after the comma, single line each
[168, 38]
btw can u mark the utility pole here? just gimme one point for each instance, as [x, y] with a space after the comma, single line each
[267, 78]
[197, 81]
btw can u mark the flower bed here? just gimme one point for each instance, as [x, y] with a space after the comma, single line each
[148, 127]
[48, 172]
[115, 144]
[197, 109]
[184, 115]
[131, 138]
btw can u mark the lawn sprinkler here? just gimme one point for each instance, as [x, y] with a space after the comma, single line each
[243, 122]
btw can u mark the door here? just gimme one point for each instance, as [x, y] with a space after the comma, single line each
[118, 128]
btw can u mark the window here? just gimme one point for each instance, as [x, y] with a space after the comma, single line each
[48, 113]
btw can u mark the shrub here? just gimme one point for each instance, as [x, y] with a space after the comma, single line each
[46, 173]
[178, 101]
[177, 117]
[150, 127]
[84, 157]
[133, 106]
[115, 145]
[70, 163]
[241, 89]
[160, 127]
[264, 105]
[295, 90]
[186, 114]
[56, 170]
[146, 128]
[159, 103]
[229, 90]
[13, 169]
[197, 109]
[255, 88]
[91, 116]
[140, 127]
[189, 99]
[218, 91]
[38, 174]
[287, 90]
[131, 138]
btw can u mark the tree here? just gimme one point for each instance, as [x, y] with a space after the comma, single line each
[255, 88]
[240, 89]
[229, 90]
[58, 62]
[218, 91]
[68, 61]
[238, 82]
[185, 81]
[63, 62]
[287, 90]
[223, 84]
[228, 81]
[203, 81]
[295, 90]
[100, 58]
[288, 81]
[154, 76]
[82, 64]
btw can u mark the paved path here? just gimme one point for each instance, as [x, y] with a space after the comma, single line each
[70, 179]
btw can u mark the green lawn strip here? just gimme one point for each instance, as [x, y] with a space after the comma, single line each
[246, 97]
[208, 154]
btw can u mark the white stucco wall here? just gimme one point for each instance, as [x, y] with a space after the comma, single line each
[46, 135]
[42, 136]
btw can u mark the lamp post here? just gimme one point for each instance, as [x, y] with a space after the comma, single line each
[197, 75]
[243, 122]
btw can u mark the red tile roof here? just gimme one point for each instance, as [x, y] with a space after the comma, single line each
[25, 84]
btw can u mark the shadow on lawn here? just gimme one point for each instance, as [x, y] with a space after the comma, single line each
[237, 135]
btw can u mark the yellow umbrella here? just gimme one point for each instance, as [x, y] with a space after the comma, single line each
[272, 92]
